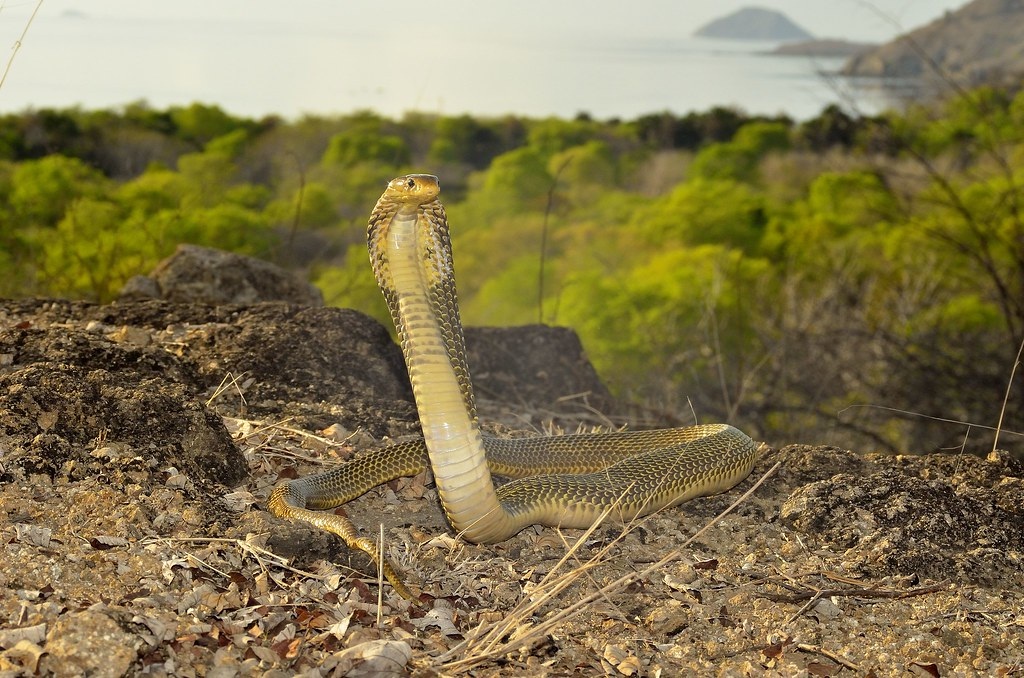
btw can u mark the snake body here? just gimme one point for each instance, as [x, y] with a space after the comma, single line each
[567, 481]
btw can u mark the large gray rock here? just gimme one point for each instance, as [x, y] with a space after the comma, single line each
[195, 274]
[536, 366]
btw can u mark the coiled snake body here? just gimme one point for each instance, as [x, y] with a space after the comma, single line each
[566, 481]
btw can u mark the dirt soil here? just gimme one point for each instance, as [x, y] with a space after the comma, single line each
[140, 440]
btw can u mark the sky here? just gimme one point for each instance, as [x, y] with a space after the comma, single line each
[852, 19]
[263, 56]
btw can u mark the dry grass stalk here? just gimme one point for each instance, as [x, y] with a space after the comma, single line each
[491, 640]
[226, 383]
[18, 43]
[290, 452]
[1009, 385]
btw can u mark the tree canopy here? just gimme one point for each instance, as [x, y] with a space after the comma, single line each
[802, 280]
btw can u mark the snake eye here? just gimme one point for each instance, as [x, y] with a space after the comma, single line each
[411, 183]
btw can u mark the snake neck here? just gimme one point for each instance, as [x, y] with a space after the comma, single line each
[417, 279]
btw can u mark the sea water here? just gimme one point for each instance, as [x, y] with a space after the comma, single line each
[257, 68]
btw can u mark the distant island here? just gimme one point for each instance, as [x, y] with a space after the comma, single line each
[754, 23]
[980, 43]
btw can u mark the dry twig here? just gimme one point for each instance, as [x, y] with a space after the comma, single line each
[817, 649]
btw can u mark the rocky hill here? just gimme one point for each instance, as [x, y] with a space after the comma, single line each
[754, 23]
[139, 441]
[977, 44]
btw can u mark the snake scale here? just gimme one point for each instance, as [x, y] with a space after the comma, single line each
[566, 481]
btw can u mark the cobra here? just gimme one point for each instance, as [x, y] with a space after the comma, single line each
[566, 481]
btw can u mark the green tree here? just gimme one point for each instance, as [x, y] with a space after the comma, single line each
[464, 139]
[312, 206]
[88, 255]
[738, 159]
[230, 145]
[200, 123]
[519, 180]
[553, 135]
[227, 226]
[702, 211]
[507, 297]
[41, 190]
[156, 189]
[205, 178]
[841, 212]
[365, 144]
[678, 322]
[515, 185]
[588, 166]
[832, 127]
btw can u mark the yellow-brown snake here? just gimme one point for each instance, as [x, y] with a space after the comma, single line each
[566, 481]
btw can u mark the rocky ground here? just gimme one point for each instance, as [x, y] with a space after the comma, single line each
[139, 442]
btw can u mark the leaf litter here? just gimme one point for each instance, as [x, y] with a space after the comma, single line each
[125, 560]
[744, 595]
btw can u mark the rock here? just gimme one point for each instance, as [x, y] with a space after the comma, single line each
[330, 365]
[208, 276]
[895, 522]
[322, 366]
[67, 388]
[140, 287]
[88, 643]
[303, 353]
[535, 366]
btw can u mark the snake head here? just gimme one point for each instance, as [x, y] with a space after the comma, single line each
[413, 189]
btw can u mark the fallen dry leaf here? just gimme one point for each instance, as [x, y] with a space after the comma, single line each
[10, 637]
[35, 535]
[378, 658]
[102, 542]
[440, 616]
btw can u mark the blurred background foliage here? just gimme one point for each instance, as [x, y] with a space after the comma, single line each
[844, 280]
